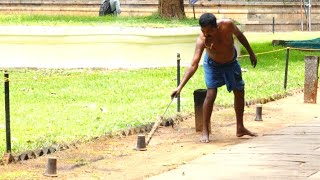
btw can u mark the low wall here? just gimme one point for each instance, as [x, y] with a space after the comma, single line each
[255, 15]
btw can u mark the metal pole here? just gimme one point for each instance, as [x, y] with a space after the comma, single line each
[273, 25]
[7, 111]
[178, 80]
[309, 14]
[301, 15]
[194, 14]
[286, 69]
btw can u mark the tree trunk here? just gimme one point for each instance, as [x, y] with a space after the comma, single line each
[171, 8]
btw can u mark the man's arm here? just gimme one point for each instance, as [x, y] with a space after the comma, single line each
[191, 69]
[243, 40]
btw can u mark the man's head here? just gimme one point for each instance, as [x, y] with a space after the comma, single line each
[208, 19]
[208, 23]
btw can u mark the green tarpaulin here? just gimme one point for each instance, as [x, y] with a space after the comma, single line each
[305, 44]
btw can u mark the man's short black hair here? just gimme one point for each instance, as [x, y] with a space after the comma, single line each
[208, 19]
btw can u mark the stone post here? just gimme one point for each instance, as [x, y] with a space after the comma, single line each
[311, 79]
[199, 96]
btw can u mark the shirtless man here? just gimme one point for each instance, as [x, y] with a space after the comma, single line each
[220, 66]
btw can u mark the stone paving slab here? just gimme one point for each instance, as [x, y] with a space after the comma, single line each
[290, 153]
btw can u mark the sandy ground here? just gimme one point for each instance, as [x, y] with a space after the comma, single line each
[115, 158]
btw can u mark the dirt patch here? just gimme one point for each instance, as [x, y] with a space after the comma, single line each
[170, 147]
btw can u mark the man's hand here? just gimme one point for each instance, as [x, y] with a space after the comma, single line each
[253, 60]
[175, 93]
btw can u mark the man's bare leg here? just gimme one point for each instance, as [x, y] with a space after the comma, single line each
[207, 111]
[239, 108]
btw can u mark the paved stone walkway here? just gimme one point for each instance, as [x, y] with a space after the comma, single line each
[291, 153]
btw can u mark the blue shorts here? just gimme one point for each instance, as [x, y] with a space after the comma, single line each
[217, 75]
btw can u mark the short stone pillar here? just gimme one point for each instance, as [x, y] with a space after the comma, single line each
[51, 169]
[199, 96]
[311, 79]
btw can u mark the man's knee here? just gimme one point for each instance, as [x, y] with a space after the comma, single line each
[238, 92]
[211, 95]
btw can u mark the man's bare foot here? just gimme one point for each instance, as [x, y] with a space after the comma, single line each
[205, 137]
[244, 131]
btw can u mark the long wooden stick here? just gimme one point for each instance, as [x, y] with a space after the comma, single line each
[156, 124]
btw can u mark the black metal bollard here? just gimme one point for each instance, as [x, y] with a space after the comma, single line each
[178, 80]
[286, 69]
[7, 110]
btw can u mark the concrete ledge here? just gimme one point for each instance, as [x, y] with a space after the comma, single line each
[96, 30]
[95, 34]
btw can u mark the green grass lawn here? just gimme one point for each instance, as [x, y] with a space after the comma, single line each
[124, 21]
[51, 106]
